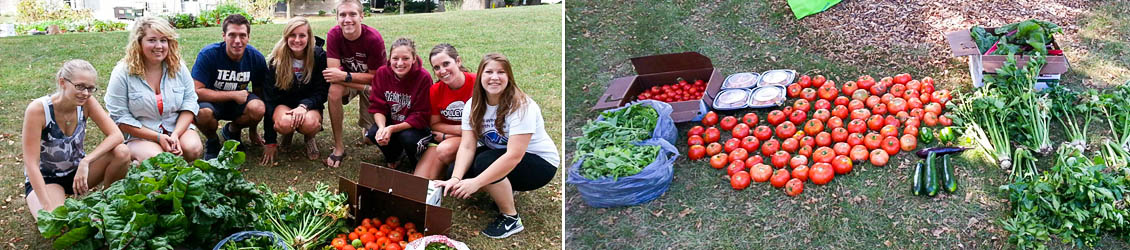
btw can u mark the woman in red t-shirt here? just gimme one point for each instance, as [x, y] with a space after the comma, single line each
[448, 96]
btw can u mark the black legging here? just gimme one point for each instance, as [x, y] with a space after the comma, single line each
[406, 141]
[532, 171]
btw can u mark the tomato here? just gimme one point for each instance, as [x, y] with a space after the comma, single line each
[913, 102]
[879, 157]
[896, 105]
[930, 119]
[338, 243]
[897, 90]
[855, 104]
[713, 149]
[793, 91]
[797, 117]
[348, 247]
[712, 134]
[822, 104]
[802, 104]
[849, 87]
[719, 160]
[813, 127]
[805, 150]
[901, 116]
[750, 119]
[367, 237]
[945, 121]
[728, 123]
[908, 142]
[878, 89]
[842, 164]
[696, 130]
[696, 152]
[779, 178]
[790, 144]
[393, 247]
[941, 96]
[760, 172]
[739, 180]
[770, 146]
[780, 159]
[865, 81]
[861, 95]
[855, 139]
[925, 97]
[354, 235]
[823, 154]
[808, 141]
[798, 160]
[910, 130]
[891, 145]
[794, 187]
[739, 154]
[841, 101]
[763, 132]
[902, 78]
[858, 153]
[808, 94]
[734, 167]
[731, 144]
[834, 122]
[818, 80]
[917, 113]
[740, 131]
[860, 114]
[821, 115]
[932, 108]
[787, 110]
[879, 109]
[695, 140]
[841, 148]
[872, 141]
[840, 111]
[856, 126]
[889, 130]
[827, 92]
[871, 101]
[804, 81]
[886, 81]
[875, 122]
[914, 85]
[839, 135]
[750, 143]
[710, 119]
[823, 139]
[775, 117]
[800, 172]
[886, 98]
[821, 173]
[786, 129]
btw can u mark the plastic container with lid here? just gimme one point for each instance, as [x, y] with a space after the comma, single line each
[744, 80]
[781, 77]
[767, 96]
[731, 99]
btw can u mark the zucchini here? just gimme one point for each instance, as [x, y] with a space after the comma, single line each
[918, 189]
[949, 182]
[931, 176]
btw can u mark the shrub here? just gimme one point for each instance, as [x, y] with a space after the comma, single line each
[31, 11]
[412, 7]
[183, 21]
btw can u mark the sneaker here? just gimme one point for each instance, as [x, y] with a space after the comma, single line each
[211, 149]
[504, 226]
[227, 134]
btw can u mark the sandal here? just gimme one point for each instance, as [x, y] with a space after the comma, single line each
[334, 161]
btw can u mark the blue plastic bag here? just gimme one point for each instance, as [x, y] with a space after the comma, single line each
[246, 235]
[648, 184]
[664, 126]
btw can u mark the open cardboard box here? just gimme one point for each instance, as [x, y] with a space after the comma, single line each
[962, 44]
[381, 192]
[664, 69]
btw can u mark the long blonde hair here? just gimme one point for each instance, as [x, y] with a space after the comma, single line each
[134, 58]
[510, 100]
[282, 57]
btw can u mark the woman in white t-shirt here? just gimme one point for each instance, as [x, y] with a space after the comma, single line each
[505, 147]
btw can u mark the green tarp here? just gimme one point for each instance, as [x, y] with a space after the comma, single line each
[803, 8]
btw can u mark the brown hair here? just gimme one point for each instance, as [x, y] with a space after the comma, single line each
[511, 99]
[450, 51]
[400, 42]
[355, 2]
[282, 57]
[135, 60]
[236, 19]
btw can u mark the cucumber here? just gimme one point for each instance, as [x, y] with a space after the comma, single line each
[931, 176]
[918, 189]
[949, 182]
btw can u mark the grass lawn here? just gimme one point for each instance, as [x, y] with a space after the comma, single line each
[529, 36]
[870, 207]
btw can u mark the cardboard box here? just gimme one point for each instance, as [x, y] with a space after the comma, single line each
[962, 44]
[381, 192]
[664, 69]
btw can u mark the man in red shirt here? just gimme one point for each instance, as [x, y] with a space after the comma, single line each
[354, 51]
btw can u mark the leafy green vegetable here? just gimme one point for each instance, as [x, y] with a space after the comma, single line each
[161, 203]
[1028, 37]
[606, 146]
[305, 219]
[983, 38]
[438, 246]
[618, 161]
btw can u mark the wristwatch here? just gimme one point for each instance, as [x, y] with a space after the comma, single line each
[348, 77]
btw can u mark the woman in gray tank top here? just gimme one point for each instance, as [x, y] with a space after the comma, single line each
[55, 164]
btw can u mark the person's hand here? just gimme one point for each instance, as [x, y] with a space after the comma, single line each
[464, 189]
[241, 96]
[298, 115]
[169, 144]
[334, 75]
[448, 185]
[269, 154]
[383, 135]
[81, 174]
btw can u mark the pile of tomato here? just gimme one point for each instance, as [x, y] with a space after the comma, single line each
[681, 91]
[825, 132]
[374, 235]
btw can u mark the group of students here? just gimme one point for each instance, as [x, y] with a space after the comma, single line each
[478, 130]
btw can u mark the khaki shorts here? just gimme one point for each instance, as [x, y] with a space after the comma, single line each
[365, 118]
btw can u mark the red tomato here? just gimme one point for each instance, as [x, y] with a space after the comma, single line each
[856, 126]
[886, 81]
[823, 154]
[696, 130]
[879, 109]
[878, 89]
[780, 159]
[740, 131]
[797, 117]
[827, 92]
[849, 87]
[896, 105]
[940, 96]
[786, 129]
[891, 120]
[915, 85]
[897, 90]
[842, 164]
[719, 160]
[925, 97]
[794, 187]
[875, 122]
[859, 153]
[860, 114]
[908, 143]
[917, 113]
[930, 119]
[750, 119]
[798, 160]
[821, 173]
[763, 132]
[912, 121]
[932, 108]
[821, 114]
[855, 139]
[872, 141]
[871, 101]
[814, 126]
[945, 121]
[770, 146]
[739, 154]
[712, 134]
[800, 172]
[775, 117]
[808, 94]
[855, 104]
[910, 130]
[818, 80]
[865, 82]
[901, 78]
[760, 172]
[861, 95]
[696, 152]
[728, 123]
[731, 144]
[879, 157]
[788, 110]
[823, 139]
[841, 111]
[750, 143]
[805, 150]
[790, 144]
[735, 167]
[710, 119]
[839, 135]
[841, 148]
[841, 101]
[890, 145]
[695, 140]
[793, 90]
[889, 130]
[834, 122]
[779, 178]
[804, 81]
[901, 116]
[802, 105]
[913, 103]
[739, 180]
[753, 159]
[713, 149]
[822, 104]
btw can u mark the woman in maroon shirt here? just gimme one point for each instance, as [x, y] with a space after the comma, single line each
[399, 103]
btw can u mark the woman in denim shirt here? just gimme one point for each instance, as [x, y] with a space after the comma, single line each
[151, 95]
